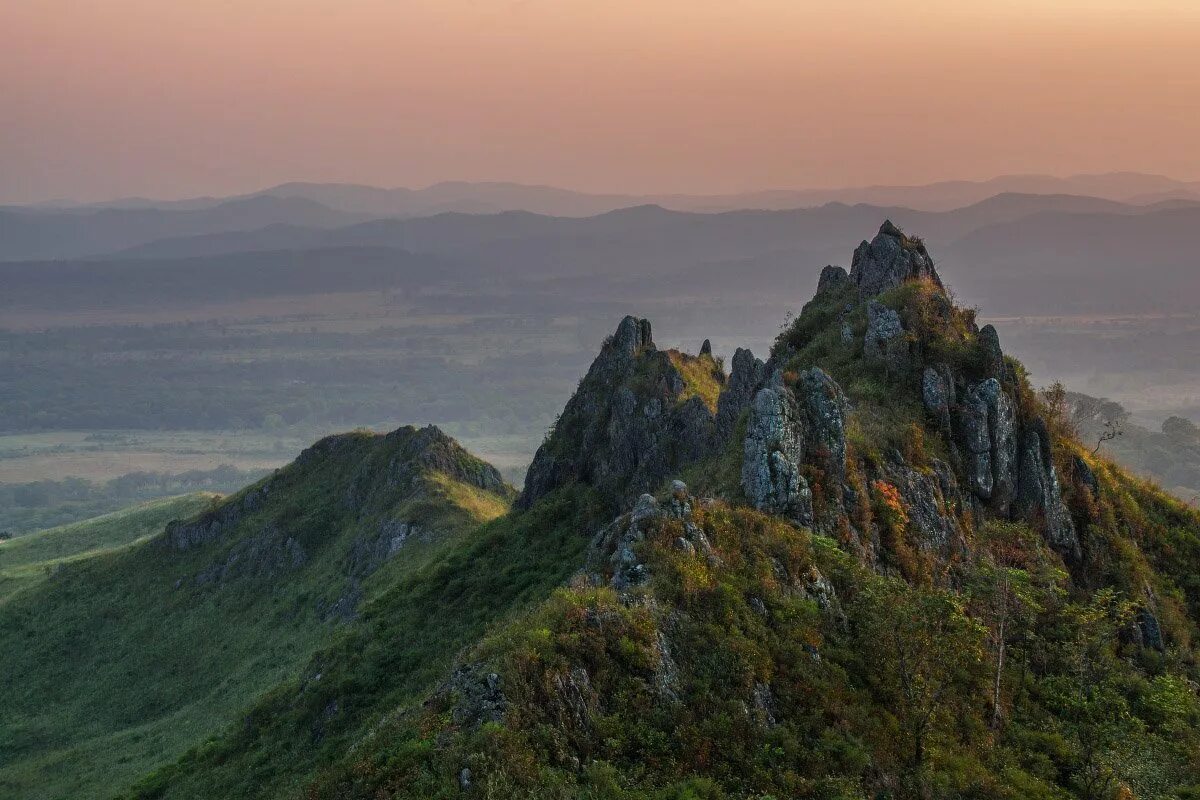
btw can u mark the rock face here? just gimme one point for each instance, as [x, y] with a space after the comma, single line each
[826, 406]
[929, 504]
[832, 279]
[888, 260]
[788, 427]
[612, 555]
[989, 427]
[772, 454]
[885, 341]
[1039, 498]
[627, 427]
[748, 372]
[936, 393]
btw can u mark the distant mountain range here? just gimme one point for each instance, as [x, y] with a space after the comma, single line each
[492, 197]
[1014, 254]
[38, 233]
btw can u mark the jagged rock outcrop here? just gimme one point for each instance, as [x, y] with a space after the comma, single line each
[773, 452]
[889, 260]
[993, 356]
[826, 408]
[431, 448]
[211, 525]
[988, 428]
[788, 427]
[937, 389]
[885, 341]
[929, 501]
[744, 379]
[265, 554]
[627, 427]
[832, 279]
[474, 695]
[1039, 497]
[612, 554]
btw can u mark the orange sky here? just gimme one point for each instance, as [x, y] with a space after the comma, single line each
[103, 98]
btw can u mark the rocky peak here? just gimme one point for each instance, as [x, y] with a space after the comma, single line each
[638, 415]
[431, 448]
[360, 472]
[888, 261]
[632, 336]
[783, 427]
[832, 278]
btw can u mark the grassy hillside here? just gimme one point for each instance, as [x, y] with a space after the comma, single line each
[117, 663]
[404, 647]
[28, 559]
[778, 666]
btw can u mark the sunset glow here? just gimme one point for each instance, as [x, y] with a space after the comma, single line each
[104, 99]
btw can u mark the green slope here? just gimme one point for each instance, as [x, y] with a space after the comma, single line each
[28, 559]
[117, 663]
[405, 645]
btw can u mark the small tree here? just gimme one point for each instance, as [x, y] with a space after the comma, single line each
[1086, 691]
[925, 658]
[1010, 586]
[1112, 430]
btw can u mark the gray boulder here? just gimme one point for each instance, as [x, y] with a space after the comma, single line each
[889, 260]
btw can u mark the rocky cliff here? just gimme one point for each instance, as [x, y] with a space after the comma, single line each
[639, 415]
[888, 328]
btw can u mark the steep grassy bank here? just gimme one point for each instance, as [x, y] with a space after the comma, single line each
[119, 662]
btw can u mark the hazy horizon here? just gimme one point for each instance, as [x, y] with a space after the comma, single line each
[650, 195]
[135, 98]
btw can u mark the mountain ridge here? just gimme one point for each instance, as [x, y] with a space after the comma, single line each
[873, 567]
[170, 636]
[492, 196]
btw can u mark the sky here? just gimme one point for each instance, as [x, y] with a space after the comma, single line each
[177, 98]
